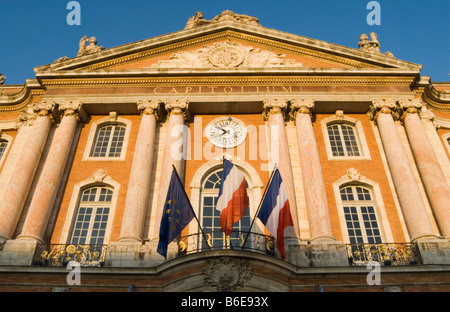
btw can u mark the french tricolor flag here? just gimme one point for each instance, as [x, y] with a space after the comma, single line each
[233, 198]
[274, 212]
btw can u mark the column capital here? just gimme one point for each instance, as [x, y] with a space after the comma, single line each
[43, 108]
[383, 106]
[150, 107]
[274, 106]
[177, 107]
[410, 106]
[71, 108]
[301, 106]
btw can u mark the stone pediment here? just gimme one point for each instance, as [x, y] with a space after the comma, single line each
[228, 42]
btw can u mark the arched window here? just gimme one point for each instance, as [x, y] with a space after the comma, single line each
[343, 139]
[109, 140]
[91, 216]
[360, 215]
[210, 216]
[3, 146]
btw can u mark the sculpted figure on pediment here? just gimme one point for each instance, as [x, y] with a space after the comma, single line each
[372, 46]
[89, 49]
[2, 79]
[198, 20]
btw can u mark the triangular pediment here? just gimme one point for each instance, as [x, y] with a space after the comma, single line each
[226, 46]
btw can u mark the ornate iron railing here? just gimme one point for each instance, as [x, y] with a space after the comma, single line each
[61, 255]
[385, 254]
[217, 240]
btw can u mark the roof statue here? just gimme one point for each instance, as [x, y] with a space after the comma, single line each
[2, 79]
[198, 20]
[88, 49]
[371, 46]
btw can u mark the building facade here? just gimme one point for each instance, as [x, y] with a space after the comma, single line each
[361, 139]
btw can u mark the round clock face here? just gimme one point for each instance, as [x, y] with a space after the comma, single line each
[226, 132]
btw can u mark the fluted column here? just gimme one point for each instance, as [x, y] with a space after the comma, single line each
[16, 192]
[136, 202]
[50, 178]
[433, 177]
[411, 202]
[274, 110]
[174, 151]
[314, 185]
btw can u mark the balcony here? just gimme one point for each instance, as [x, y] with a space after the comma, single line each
[61, 255]
[211, 241]
[396, 254]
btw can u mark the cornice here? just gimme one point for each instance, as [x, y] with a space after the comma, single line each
[313, 80]
[20, 100]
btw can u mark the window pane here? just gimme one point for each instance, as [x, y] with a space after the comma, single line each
[343, 140]
[3, 145]
[108, 138]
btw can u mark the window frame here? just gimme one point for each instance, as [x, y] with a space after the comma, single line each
[95, 206]
[72, 211]
[358, 205]
[95, 127]
[8, 139]
[358, 130]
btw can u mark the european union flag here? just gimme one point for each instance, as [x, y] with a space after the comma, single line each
[177, 214]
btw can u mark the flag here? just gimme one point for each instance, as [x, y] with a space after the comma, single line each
[233, 198]
[275, 212]
[176, 216]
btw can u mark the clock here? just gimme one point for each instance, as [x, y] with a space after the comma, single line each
[226, 132]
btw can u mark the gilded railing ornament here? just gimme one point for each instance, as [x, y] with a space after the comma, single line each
[59, 255]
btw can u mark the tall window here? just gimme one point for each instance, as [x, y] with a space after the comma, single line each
[108, 141]
[210, 216]
[3, 145]
[92, 216]
[343, 140]
[360, 216]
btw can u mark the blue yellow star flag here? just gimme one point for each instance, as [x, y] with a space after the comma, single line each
[176, 216]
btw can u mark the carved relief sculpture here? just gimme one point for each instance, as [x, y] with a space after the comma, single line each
[226, 54]
[226, 273]
[89, 49]
[2, 79]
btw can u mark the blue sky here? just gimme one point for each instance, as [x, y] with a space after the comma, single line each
[35, 32]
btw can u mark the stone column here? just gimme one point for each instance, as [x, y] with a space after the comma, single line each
[50, 178]
[11, 204]
[174, 151]
[136, 202]
[433, 177]
[411, 202]
[274, 110]
[315, 192]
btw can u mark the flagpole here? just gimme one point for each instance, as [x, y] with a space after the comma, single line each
[192, 209]
[259, 207]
